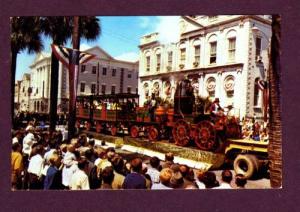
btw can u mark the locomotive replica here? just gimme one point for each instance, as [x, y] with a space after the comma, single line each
[185, 123]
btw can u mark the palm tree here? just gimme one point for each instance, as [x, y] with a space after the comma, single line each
[275, 144]
[60, 30]
[25, 35]
[87, 27]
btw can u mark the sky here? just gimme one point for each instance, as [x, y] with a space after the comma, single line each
[120, 37]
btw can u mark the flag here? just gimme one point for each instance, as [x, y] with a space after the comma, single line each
[71, 58]
[263, 86]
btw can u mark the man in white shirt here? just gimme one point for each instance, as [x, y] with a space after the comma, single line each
[153, 170]
[226, 179]
[70, 165]
[80, 180]
[28, 141]
[35, 168]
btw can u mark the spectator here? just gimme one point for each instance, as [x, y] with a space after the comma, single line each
[147, 176]
[107, 176]
[209, 179]
[176, 180]
[53, 179]
[80, 180]
[226, 179]
[135, 180]
[240, 181]
[70, 165]
[199, 181]
[188, 177]
[118, 166]
[28, 141]
[35, 168]
[153, 171]
[169, 160]
[16, 166]
[164, 177]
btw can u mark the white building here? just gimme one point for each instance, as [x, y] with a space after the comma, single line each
[102, 75]
[106, 75]
[224, 56]
[40, 71]
[24, 93]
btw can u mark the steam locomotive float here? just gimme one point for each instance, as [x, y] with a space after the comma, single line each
[185, 124]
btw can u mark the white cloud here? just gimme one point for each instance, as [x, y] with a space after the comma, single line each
[84, 46]
[144, 22]
[128, 56]
[168, 29]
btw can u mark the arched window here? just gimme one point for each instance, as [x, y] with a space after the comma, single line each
[211, 86]
[146, 89]
[256, 92]
[38, 106]
[229, 85]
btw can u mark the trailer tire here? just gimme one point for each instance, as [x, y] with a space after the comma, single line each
[246, 165]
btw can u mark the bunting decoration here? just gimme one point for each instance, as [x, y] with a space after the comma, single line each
[71, 58]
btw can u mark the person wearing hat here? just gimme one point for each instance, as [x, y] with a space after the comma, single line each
[226, 178]
[215, 107]
[240, 181]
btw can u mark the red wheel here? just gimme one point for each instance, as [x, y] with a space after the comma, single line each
[98, 127]
[205, 136]
[152, 133]
[134, 131]
[181, 132]
[113, 130]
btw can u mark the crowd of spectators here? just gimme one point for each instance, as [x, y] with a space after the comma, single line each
[252, 129]
[42, 160]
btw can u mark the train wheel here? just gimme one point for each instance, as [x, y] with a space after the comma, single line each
[205, 136]
[181, 132]
[98, 127]
[113, 130]
[134, 131]
[152, 133]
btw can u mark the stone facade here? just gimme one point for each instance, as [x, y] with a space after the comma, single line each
[103, 74]
[223, 56]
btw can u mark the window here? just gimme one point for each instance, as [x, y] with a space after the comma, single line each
[182, 56]
[170, 57]
[24, 89]
[148, 63]
[114, 71]
[82, 87]
[258, 46]
[158, 62]
[113, 89]
[128, 89]
[197, 54]
[103, 88]
[231, 49]
[94, 70]
[129, 75]
[36, 91]
[256, 92]
[82, 68]
[93, 88]
[136, 90]
[104, 71]
[213, 53]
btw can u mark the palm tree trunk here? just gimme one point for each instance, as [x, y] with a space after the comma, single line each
[53, 91]
[275, 141]
[13, 80]
[72, 80]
